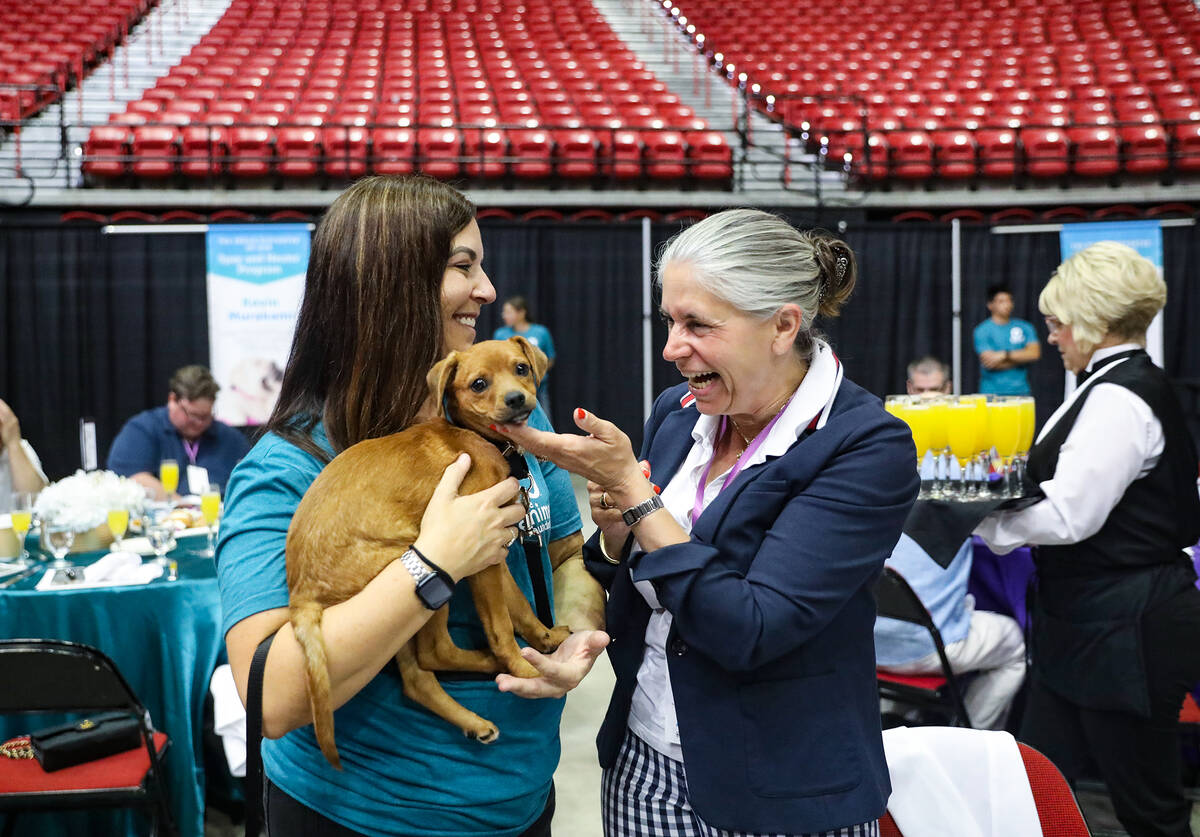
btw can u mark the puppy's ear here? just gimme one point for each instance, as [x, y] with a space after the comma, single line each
[536, 357]
[439, 378]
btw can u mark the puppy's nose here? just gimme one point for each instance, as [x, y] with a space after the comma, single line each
[514, 400]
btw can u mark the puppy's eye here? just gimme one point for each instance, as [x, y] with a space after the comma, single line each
[522, 369]
[479, 385]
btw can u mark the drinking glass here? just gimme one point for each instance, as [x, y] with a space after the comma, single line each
[168, 475]
[210, 507]
[963, 437]
[22, 520]
[118, 523]
[1004, 419]
[160, 532]
[1028, 412]
[58, 538]
[918, 416]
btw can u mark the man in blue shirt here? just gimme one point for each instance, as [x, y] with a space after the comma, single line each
[988, 645]
[183, 430]
[515, 313]
[1005, 346]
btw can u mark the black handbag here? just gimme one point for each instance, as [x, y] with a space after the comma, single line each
[92, 738]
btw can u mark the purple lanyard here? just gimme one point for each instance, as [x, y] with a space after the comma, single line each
[192, 449]
[754, 445]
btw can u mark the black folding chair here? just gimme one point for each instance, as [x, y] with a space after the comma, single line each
[47, 675]
[896, 600]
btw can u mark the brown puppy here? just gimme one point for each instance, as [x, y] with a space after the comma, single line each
[364, 510]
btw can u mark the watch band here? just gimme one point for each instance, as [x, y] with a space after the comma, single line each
[417, 568]
[631, 516]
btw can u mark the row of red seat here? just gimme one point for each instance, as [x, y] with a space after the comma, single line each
[44, 44]
[1086, 151]
[350, 151]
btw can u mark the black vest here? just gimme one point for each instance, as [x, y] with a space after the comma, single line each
[1092, 595]
[1159, 514]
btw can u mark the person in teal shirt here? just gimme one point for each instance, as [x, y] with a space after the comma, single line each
[394, 283]
[515, 313]
[1005, 345]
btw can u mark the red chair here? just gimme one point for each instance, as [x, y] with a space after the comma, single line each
[1047, 151]
[1058, 811]
[997, 152]
[1095, 150]
[665, 154]
[619, 153]
[203, 150]
[575, 153]
[1144, 148]
[709, 156]
[531, 150]
[298, 151]
[912, 155]
[394, 150]
[954, 154]
[440, 151]
[869, 159]
[155, 150]
[1185, 146]
[250, 151]
[106, 151]
[484, 150]
[345, 150]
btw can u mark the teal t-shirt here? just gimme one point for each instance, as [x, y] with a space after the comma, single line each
[539, 336]
[993, 337]
[406, 771]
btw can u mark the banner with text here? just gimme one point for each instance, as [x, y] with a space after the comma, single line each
[255, 283]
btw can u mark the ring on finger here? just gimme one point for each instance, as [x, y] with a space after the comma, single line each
[513, 539]
[604, 503]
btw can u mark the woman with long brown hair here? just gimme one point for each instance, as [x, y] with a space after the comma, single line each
[395, 281]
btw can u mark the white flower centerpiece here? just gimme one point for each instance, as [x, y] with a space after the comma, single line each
[83, 500]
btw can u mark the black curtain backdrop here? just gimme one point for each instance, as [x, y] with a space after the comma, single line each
[94, 324]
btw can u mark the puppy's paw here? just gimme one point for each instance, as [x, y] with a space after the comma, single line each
[485, 732]
[552, 638]
[522, 668]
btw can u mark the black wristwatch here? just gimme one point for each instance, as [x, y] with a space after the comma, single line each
[434, 585]
[633, 515]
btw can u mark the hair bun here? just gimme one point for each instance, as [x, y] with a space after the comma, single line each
[839, 273]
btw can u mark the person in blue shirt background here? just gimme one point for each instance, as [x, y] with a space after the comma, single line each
[515, 313]
[1005, 345]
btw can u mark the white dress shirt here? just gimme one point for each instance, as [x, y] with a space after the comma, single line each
[652, 713]
[1116, 439]
[6, 483]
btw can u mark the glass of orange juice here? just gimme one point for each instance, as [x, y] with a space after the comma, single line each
[1004, 420]
[963, 435]
[118, 523]
[210, 507]
[1028, 411]
[168, 475]
[22, 520]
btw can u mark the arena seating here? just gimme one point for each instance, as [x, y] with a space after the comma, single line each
[1016, 89]
[47, 45]
[525, 90]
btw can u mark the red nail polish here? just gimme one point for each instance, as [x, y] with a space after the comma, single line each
[579, 413]
[494, 428]
[657, 488]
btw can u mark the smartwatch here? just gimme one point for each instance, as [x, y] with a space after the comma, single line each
[434, 585]
[635, 514]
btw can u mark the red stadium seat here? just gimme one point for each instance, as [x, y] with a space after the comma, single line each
[1047, 151]
[250, 151]
[106, 151]
[1144, 148]
[997, 152]
[531, 150]
[440, 150]
[575, 153]
[954, 153]
[394, 150]
[298, 151]
[619, 153]
[665, 154]
[155, 150]
[203, 150]
[709, 156]
[1095, 150]
[345, 150]
[485, 150]
[912, 155]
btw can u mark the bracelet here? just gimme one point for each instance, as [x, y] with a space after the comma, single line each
[604, 552]
[430, 564]
[17, 748]
[1008, 355]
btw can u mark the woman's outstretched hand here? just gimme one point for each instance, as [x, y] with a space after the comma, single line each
[604, 456]
[561, 671]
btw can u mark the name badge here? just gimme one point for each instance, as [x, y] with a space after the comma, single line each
[197, 479]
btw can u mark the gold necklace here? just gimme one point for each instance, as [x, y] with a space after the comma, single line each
[745, 441]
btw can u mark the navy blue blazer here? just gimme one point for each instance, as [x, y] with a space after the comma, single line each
[771, 654]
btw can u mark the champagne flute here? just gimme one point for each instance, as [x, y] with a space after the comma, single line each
[58, 538]
[160, 532]
[1004, 417]
[168, 475]
[22, 520]
[1028, 413]
[962, 437]
[118, 523]
[210, 507]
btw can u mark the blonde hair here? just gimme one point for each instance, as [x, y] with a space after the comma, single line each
[1107, 288]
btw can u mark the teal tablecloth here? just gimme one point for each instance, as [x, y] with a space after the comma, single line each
[165, 638]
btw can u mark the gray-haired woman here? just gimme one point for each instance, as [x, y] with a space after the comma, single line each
[1116, 624]
[740, 600]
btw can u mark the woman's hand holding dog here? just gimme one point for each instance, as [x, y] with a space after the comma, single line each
[559, 672]
[464, 534]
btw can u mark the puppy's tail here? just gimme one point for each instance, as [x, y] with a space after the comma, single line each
[306, 622]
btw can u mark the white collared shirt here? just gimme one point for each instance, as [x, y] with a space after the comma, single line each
[652, 713]
[6, 483]
[1115, 440]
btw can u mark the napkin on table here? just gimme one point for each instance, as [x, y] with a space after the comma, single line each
[114, 569]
